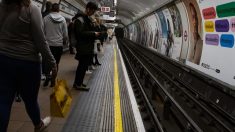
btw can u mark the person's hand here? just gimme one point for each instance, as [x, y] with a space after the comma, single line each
[103, 33]
[65, 42]
[53, 75]
[54, 71]
[97, 34]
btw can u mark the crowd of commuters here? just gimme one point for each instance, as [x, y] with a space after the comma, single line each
[28, 37]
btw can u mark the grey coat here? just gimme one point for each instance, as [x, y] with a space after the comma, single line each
[21, 34]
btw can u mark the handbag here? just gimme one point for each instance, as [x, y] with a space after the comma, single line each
[60, 99]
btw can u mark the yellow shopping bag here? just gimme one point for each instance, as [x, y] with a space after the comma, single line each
[60, 99]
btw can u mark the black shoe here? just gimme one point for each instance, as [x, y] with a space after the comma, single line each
[52, 83]
[72, 53]
[98, 64]
[46, 82]
[82, 87]
[17, 98]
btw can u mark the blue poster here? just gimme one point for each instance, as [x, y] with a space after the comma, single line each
[163, 24]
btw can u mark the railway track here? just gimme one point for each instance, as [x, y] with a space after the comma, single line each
[174, 98]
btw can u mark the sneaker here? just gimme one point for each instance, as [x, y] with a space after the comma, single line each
[45, 123]
[98, 64]
[88, 72]
[93, 67]
[47, 81]
[72, 52]
[17, 98]
[52, 83]
[43, 77]
[82, 87]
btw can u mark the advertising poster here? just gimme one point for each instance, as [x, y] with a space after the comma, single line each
[196, 32]
[138, 27]
[163, 31]
[126, 32]
[158, 34]
[218, 48]
[177, 31]
[185, 30]
[148, 31]
[168, 45]
[199, 33]
[134, 35]
[145, 31]
[130, 32]
[152, 24]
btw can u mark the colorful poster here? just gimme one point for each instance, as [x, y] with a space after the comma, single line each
[164, 33]
[176, 19]
[199, 33]
[163, 23]
[218, 47]
[168, 45]
[177, 31]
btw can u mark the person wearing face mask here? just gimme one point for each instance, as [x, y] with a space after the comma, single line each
[85, 35]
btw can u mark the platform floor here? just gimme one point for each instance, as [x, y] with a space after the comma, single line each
[90, 111]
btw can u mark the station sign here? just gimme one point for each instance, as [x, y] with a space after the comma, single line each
[105, 9]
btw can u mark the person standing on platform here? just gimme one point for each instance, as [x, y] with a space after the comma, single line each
[48, 9]
[105, 34]
[72, 40]
[56, 34]
[45, 13]
[85, 35]
[21, 40]
[97, 43]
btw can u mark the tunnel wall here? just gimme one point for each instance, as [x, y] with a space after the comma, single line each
[198, 33]
[119, 32]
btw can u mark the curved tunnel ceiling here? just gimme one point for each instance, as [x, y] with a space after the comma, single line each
[130, 10]
[134, 9]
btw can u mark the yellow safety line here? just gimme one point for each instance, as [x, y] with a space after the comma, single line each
[117, 102]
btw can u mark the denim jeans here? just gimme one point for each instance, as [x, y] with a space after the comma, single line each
[22, 76]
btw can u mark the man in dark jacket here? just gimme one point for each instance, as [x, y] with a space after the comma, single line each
[105, 34]
[85, 35]
[71, 35]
